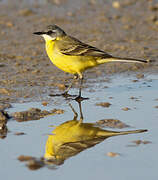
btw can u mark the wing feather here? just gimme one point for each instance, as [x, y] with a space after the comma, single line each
[73, 47]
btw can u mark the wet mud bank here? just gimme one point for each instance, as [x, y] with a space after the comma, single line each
[122, 28]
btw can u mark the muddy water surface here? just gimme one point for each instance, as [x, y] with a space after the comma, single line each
[135, 159]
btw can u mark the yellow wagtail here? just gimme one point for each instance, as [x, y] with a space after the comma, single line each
[73, 56]
[73, 136]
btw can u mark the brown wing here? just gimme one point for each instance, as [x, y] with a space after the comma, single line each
[73, 47]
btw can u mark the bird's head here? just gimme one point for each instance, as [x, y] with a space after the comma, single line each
[51, 33]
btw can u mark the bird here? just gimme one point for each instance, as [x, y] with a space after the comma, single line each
[74, 136]
[73, 56]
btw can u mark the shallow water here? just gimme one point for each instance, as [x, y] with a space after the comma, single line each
[134, 162]
[128, 31]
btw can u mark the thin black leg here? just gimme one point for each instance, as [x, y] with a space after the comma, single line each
[81, 114]
[79, 98]
[80, 88]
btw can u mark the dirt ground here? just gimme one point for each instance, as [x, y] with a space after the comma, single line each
[121, 28]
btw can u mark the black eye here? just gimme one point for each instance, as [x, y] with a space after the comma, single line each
[49, 32]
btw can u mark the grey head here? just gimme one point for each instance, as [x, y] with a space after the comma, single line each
[52, 32]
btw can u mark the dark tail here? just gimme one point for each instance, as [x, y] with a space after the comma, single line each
[129, 60]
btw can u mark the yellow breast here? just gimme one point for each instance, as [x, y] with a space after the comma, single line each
[67, 63]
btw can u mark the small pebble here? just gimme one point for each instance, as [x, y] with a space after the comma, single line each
[61, 86]
[104, 104]
[116, 5]
[19, 133]
[125, 109]
[112, 154]
[44, 103]
[24, 158]
[135, 80]
[58, 111]
[138, 142]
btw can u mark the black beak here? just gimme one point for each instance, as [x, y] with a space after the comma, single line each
[39, 33]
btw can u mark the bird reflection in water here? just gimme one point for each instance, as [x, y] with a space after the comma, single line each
[72, 137]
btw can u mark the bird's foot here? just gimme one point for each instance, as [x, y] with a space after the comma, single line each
[69, 96]
[65, 94]
[80, 98]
